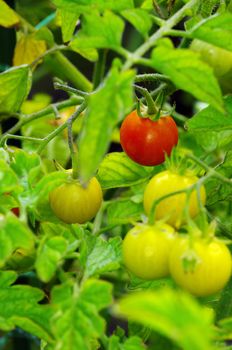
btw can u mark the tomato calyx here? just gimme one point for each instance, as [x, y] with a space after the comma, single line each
[153, 109]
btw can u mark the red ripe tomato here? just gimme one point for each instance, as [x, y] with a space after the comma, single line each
[146, 141]
[15, 211]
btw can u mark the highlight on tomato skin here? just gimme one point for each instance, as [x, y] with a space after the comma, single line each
[146, 141]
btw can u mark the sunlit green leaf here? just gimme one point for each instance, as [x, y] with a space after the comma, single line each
[215, 30]
[77, 322]
[15, 84]
[173, 314]
[117, 170]
[188, 73]
[105, 109]
[99, 32]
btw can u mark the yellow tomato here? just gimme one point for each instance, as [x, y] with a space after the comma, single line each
[212, 268]
[146, 250]
[73, 203]
[172, 208]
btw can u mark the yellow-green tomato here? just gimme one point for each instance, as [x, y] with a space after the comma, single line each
[146, 250]
[73, 203]
[219, 59]
[172, 208]
[212, 268]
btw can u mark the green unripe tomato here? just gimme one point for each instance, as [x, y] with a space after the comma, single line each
[73, 203]
[172, 208]
[212, 268]
[146, 250]
[219, 59]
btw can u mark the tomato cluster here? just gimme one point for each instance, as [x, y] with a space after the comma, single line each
[146, 141]
[200, 265]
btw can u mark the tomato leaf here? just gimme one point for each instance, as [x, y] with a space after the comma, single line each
[16, 309]
[131, 343]
[124, 211]
[188, 73]
[218, 190]
[15, 84]
[99, 31]
[117, 170]
[210, 118]
[85, 6]
[10, 18]
[173, 314]
[99, 256]
[13, 235]
[9, 180]
[50, 255]
[77, 321]
[68, 23]
[27, 49]
[216, 30]
[106, 108]
[140, 19]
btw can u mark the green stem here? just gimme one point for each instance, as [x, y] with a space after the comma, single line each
[169, 24]
[22, 138]
[157, 201]
[64, 69]
[210, 170]
[48, 52]
[178, 33]
[25, 119]
[53, 134]
[151, 108]
[99, 68]
[156, 77]
[64, 87]
[71, 147]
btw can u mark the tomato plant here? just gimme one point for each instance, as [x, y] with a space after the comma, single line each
[172, 208]
[73, 203]
[146, 141]
[146, 250]
[211, 270]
